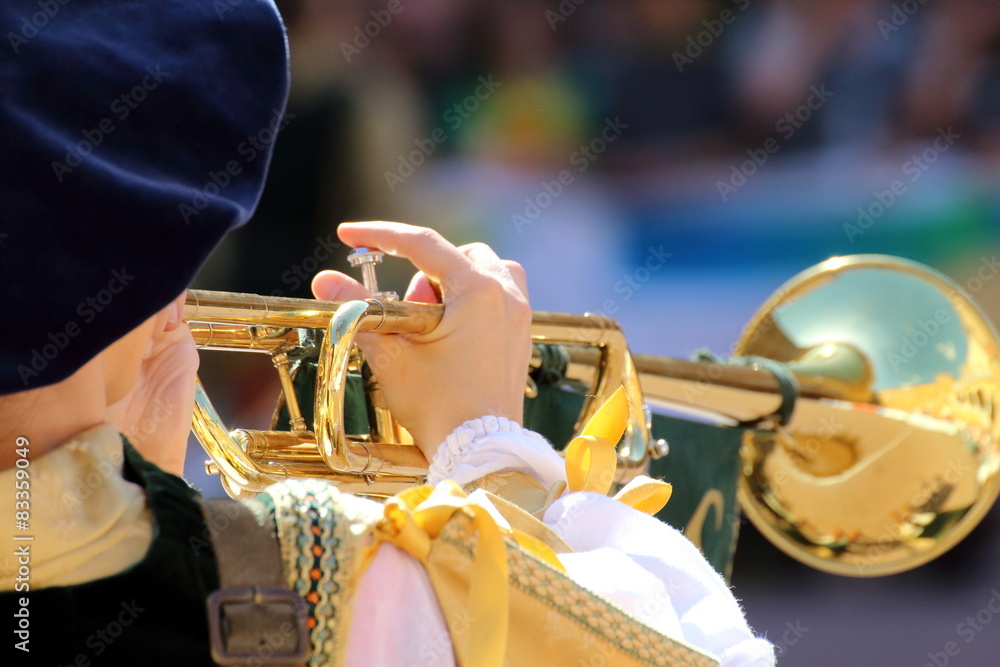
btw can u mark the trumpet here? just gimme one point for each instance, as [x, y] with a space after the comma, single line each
[867, 388]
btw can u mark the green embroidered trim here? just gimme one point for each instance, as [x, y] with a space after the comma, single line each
[598, 618]
[321, 532]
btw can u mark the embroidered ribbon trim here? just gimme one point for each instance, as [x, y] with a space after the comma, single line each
[415, 518]
[591, 459]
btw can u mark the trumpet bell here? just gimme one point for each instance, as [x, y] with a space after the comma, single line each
[900, 460]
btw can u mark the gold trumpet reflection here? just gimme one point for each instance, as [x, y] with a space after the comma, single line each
[878, 486]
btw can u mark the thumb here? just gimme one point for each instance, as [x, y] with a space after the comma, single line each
[336, 286]
[422, 289]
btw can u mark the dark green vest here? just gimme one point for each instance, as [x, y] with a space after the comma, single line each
[151, 614]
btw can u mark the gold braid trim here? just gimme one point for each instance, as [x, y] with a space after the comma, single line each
[554, 621]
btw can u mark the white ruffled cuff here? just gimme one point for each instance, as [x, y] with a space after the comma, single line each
[494, 444]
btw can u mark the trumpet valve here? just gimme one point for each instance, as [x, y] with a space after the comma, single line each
[367, 259]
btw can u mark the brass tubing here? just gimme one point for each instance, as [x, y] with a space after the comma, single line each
[291, 448]
[281, 364]
[331, 387]
[736, 377]
[256, 310]
[241, 477]
[382, 316]
[586, 329]
[276, 445]
[372, 486]
[238, 337]
[740, 392]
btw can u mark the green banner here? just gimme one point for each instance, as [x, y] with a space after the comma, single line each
[702, 467]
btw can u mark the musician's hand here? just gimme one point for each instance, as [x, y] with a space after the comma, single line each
[475, 362]
[156, 414]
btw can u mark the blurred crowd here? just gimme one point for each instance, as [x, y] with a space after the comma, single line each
[691, 78]
[600, 127]
[680, 94]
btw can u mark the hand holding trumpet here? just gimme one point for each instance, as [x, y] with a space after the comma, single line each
[474, 363]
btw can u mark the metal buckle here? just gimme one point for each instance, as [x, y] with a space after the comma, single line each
[266, 654]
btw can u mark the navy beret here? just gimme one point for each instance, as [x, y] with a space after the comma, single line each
[135, 134]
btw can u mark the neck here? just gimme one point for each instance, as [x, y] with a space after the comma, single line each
[50, 416]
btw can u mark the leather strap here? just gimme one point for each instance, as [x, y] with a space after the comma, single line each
[787, 384]
[789, 388]
[254, 619]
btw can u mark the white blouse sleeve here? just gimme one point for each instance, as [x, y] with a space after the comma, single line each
[494, 444]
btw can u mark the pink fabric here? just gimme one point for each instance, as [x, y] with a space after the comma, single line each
[397, 621]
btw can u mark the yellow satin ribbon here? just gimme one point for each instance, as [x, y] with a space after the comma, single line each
[415, 518]
[592, 460]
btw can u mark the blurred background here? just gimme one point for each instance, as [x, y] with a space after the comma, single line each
[669, 163]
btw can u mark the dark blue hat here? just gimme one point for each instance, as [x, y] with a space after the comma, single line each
[133, 136]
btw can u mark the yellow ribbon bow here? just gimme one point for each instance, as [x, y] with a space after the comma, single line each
[414, 518]
[592, 460]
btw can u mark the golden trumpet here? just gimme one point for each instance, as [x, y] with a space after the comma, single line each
[870, 383]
